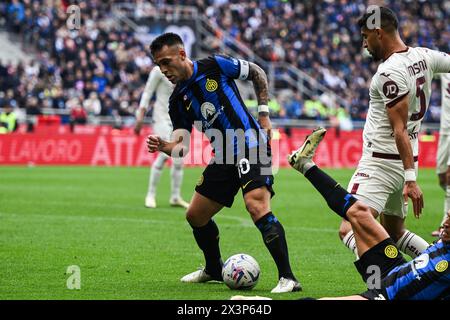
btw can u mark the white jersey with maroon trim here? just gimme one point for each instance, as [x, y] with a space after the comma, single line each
[445, 104]
[407, 73]
[158, 84]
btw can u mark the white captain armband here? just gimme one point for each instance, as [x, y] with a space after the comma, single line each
[245, 68]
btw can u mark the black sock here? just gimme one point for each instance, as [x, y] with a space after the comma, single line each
[338, 199]
[274, 238]
[207, 238]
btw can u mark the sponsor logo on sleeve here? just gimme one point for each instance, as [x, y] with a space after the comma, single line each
[390, 89]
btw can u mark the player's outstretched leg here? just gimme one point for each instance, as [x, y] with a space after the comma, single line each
[338, 199]
[369, 234]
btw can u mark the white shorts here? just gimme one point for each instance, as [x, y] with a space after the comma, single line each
[379, 184]
[163, 129]
[442, 160]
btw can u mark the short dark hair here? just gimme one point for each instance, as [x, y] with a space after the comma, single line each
[166, 39]
[388, 19]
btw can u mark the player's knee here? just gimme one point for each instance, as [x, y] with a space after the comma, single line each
[359, 211]
[344, 229]
[194, 218]
[177, 163]
[256, 208]
[158, 166]
[160, 161]
[177, 166]
[257, 202]
[253, 207]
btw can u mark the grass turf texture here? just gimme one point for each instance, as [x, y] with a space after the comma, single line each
[94, 217]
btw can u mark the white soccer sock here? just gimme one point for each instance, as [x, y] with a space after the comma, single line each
[350, 242]
[176, 173]
[411, 244]
[155, 173]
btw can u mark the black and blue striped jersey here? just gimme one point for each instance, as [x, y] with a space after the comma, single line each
[210, 101]
[427, 277]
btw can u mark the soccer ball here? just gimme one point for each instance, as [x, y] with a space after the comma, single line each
[241, 271]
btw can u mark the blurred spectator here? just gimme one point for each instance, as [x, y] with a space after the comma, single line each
[314, 109]
[293, 106]
[78, 114]
[32, 111]
[15, 15]
[93, 107]
[8, 119]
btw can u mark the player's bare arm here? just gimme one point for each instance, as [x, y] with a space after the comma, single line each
[153, 81]
[398, 115]
[258, 77]
[261, 86]
[139, 120]
[178, 147]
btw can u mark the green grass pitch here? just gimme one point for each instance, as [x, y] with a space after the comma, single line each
[94, 218]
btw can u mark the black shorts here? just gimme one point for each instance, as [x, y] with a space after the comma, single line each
[221, 182]
[386, 257]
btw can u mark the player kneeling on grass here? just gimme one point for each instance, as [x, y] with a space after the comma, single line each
[427, 277]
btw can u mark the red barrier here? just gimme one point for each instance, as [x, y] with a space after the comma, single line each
[104, 146]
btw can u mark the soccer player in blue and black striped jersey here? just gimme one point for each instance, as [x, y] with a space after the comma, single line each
[207, 97]
[426, 277]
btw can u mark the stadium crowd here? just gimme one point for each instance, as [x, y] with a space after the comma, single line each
[101, 68]
[323, 39]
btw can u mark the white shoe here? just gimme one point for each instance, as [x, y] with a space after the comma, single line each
[150, 202]
[305, 153]
[249, 298]
[286, 285]
[178, 202]
[198, 276]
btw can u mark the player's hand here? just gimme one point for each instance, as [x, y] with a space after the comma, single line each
[266, 124]
[137, 128]
[411, 190]
[154, 143]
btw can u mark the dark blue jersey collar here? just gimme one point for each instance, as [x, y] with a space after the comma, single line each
[186, 83]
